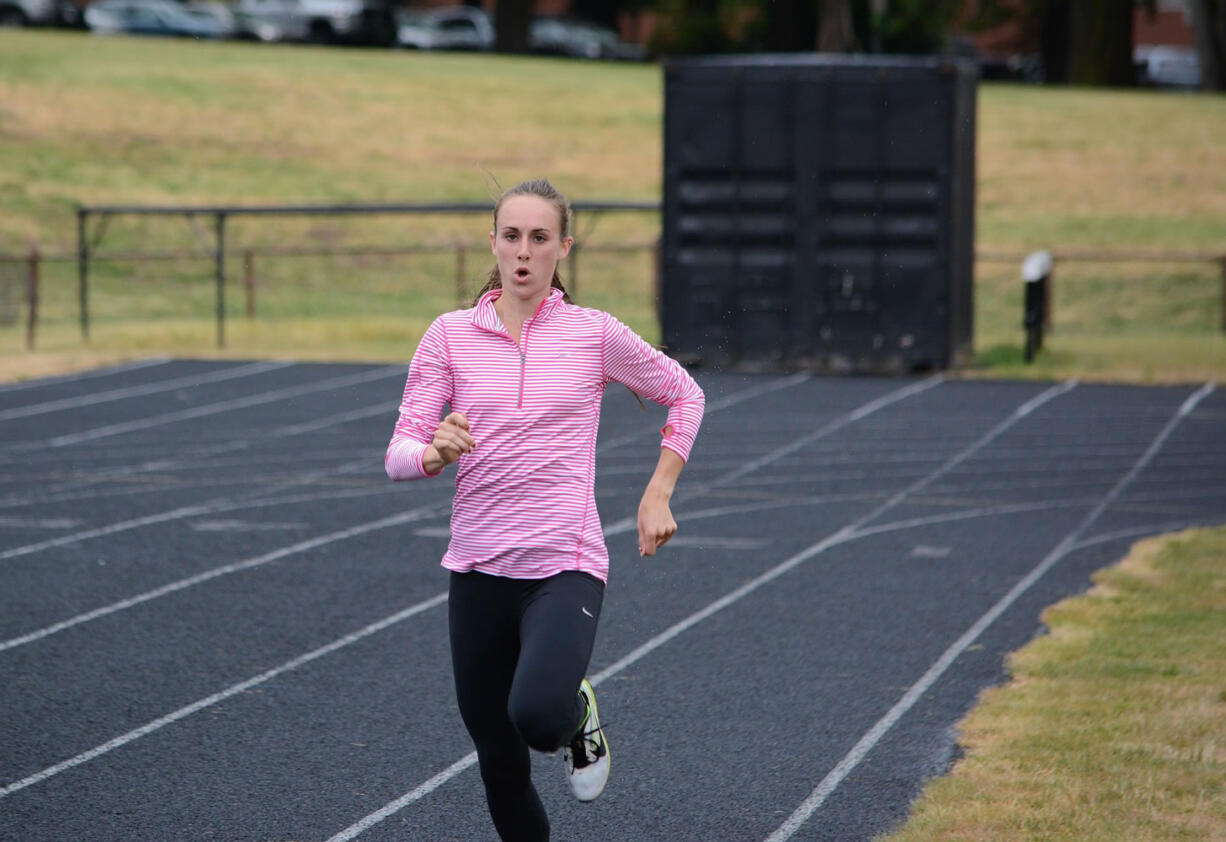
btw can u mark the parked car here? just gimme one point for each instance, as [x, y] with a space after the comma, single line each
[580, 39]
[447, 28]
[1176, 67]
[28, 12]
[153, 17]
[318, 21]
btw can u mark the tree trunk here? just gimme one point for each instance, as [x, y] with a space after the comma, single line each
[835, 31]
[1053, 22]
[1209, 30]
[511, 19]
[790, 26]
[1100, 43]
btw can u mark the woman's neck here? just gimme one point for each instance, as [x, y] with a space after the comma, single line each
[514, 311]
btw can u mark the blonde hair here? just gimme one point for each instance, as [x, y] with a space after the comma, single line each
[541, 188]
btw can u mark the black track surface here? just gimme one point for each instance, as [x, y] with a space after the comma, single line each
[220, 621]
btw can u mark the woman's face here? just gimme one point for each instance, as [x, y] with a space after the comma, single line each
[527, 244]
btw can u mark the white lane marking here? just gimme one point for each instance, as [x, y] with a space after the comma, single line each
[144, 389]
[845, 534]
[120, 526]
[462, 764]
[1151, 529]
[714, 542]
[757, 391]
[234, 690]
[870, 739]
[926, 551]
[470, 759]
[220, 504]
[627, 524]
[194, 458]
[722, 403]
[189, 511]
[416, 794]
[84, 375]
[302, 546]
[239, 525]
[804, 441]
[210, 409]
[39, 522]
[184, 712]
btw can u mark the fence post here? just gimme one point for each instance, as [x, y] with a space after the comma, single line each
[460, 271]
[32, 295]
[249, 281]
[657, 303]
[1223, 262]
[221, 279]
[574, 272]
[83, 272]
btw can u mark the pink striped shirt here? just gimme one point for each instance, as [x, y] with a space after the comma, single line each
[524, 503]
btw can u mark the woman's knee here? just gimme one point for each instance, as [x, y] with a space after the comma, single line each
[544, 725]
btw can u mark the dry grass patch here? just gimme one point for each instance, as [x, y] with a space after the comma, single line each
[1114, 725]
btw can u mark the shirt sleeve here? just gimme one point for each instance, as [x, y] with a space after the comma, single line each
[427, 391]
[631, 361]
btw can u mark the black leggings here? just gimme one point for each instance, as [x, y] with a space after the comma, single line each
[519, 648]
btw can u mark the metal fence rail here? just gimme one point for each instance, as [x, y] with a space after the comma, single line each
[219, 214]
[21, 272]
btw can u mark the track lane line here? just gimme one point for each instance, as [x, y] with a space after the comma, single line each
[841, 536]
[228, 504]
[197, 706]
[387, 810]
[630, 522]
[16, 500]
[216, 376]
[221, 696]
[85, 375]
[206, 410]
[870, 739]
[419, 513]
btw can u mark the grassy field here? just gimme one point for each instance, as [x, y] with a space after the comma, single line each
[1114, 724]
[88, 119]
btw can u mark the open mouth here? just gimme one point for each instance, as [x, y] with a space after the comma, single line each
[522, 272]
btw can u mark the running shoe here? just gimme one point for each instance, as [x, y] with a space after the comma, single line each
[587, 754]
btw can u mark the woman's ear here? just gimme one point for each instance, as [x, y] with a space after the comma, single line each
[494, 242]
[567, 242]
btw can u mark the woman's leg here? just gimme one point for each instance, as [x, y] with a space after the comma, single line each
[483, 614]
[557, 632]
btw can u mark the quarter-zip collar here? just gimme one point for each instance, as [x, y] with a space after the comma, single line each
[486, 317]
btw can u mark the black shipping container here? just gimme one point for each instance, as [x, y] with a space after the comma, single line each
[819, 212]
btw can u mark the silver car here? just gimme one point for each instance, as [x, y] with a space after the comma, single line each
[449, 28]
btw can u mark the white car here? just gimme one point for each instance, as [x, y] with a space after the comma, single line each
[1167, 66]
[318, 21]
[153, 17]
[448, 28]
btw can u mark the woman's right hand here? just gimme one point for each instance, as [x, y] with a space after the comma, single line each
[451, 441]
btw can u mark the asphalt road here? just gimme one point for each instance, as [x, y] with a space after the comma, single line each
[220, 621]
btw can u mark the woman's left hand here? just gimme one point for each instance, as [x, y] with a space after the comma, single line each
[656, 524]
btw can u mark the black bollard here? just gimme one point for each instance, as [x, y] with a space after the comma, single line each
[1036, 275]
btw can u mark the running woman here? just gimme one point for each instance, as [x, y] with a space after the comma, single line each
[523, 372]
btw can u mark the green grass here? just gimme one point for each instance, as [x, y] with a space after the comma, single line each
[87, 119]
[1114, 724]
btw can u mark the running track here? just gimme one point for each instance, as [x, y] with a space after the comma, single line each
[219, 621]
